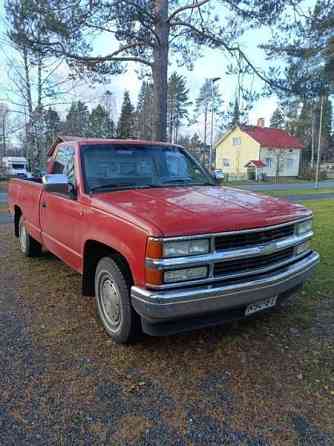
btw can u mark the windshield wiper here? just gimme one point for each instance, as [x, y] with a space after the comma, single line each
[177, 181]
[120, 186]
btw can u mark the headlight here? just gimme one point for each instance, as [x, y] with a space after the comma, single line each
[304, 227]
[182, 275]
[185, 248]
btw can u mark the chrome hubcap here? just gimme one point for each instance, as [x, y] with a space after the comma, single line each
[111, 302]
[23, 237]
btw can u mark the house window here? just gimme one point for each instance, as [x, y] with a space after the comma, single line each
[269, 162]
[226, 162]
[236, 141]
[290, 163]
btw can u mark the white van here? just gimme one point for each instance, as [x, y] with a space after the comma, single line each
[15, 166]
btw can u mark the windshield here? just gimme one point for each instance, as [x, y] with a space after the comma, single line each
[129, 166]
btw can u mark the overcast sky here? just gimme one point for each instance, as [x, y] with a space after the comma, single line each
[212, 64]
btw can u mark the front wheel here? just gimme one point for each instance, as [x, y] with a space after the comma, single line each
[112, 291]
[29, 246]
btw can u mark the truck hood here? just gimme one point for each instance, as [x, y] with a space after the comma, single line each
[198, 210]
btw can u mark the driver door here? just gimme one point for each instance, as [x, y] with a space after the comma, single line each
[62, 214]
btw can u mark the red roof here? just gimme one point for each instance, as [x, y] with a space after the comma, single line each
[273, 138]
[256, 163]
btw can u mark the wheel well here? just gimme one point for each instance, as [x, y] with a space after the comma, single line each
[93, 252]
[17, 216]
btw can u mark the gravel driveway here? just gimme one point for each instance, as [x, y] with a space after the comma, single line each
[64, 382]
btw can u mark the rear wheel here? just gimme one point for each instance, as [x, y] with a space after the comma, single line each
[29, 246]
[112, 291]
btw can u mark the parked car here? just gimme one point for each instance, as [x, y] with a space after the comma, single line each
[219, 174]
[160, 245]
[15, 166]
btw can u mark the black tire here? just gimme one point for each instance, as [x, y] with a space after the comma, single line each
[112, 291]
[29, 246]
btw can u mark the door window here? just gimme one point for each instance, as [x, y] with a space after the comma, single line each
[64, 163]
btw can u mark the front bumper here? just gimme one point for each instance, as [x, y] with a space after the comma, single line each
[162, 306]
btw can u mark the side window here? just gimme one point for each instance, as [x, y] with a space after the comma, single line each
[291, 163]
[64, 163]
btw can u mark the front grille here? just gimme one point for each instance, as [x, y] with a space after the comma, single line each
[252, 238]
[248, 264]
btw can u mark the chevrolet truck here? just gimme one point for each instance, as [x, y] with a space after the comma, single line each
[159, 244]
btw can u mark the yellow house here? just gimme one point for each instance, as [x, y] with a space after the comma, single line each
[248, 151]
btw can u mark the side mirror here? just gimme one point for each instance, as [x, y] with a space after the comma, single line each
[55, 183]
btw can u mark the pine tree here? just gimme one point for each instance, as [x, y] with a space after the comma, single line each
[236, 114]
[52, 125]
[147, 33]
[77, 120]
[100, 125]
[125, 127]
[144, 112]
[277, 120]
[178, 103]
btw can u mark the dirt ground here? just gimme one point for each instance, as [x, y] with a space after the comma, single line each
[266, 381]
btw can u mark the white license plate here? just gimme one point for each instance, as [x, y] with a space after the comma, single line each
[261, 305]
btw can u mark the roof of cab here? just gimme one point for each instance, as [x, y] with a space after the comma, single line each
[83, 140]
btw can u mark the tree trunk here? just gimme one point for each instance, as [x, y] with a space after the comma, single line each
[39, 83]
[160, 71]
[30, 134]
[205, 125]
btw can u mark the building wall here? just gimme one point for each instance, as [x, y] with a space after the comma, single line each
[232, 157]
[289, 160]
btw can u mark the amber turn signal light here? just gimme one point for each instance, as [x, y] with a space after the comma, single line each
[154, 249]
[153, 276]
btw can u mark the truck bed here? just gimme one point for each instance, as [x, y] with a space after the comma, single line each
[26, 193]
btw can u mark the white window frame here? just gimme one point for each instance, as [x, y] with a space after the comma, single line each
[269, 163]
[236, 141]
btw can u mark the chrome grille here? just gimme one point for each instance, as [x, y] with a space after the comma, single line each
[250, 263]
[244, 239]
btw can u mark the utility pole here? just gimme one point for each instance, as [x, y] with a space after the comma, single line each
[316, 184]
[213, 80]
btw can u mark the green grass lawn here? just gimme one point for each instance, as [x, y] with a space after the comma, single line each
[285, 193]
[286, 181]
[323, 242]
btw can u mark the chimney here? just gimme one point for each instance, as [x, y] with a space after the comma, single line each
[260, 122]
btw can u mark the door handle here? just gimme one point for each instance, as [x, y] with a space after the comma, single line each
[44, 205]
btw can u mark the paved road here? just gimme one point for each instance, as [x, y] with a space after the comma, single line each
[287, 186]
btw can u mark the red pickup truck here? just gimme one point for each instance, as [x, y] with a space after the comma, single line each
[159, 244]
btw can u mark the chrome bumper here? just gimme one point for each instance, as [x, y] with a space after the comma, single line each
[162, 306]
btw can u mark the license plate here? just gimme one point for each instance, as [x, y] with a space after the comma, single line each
[261, 305]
